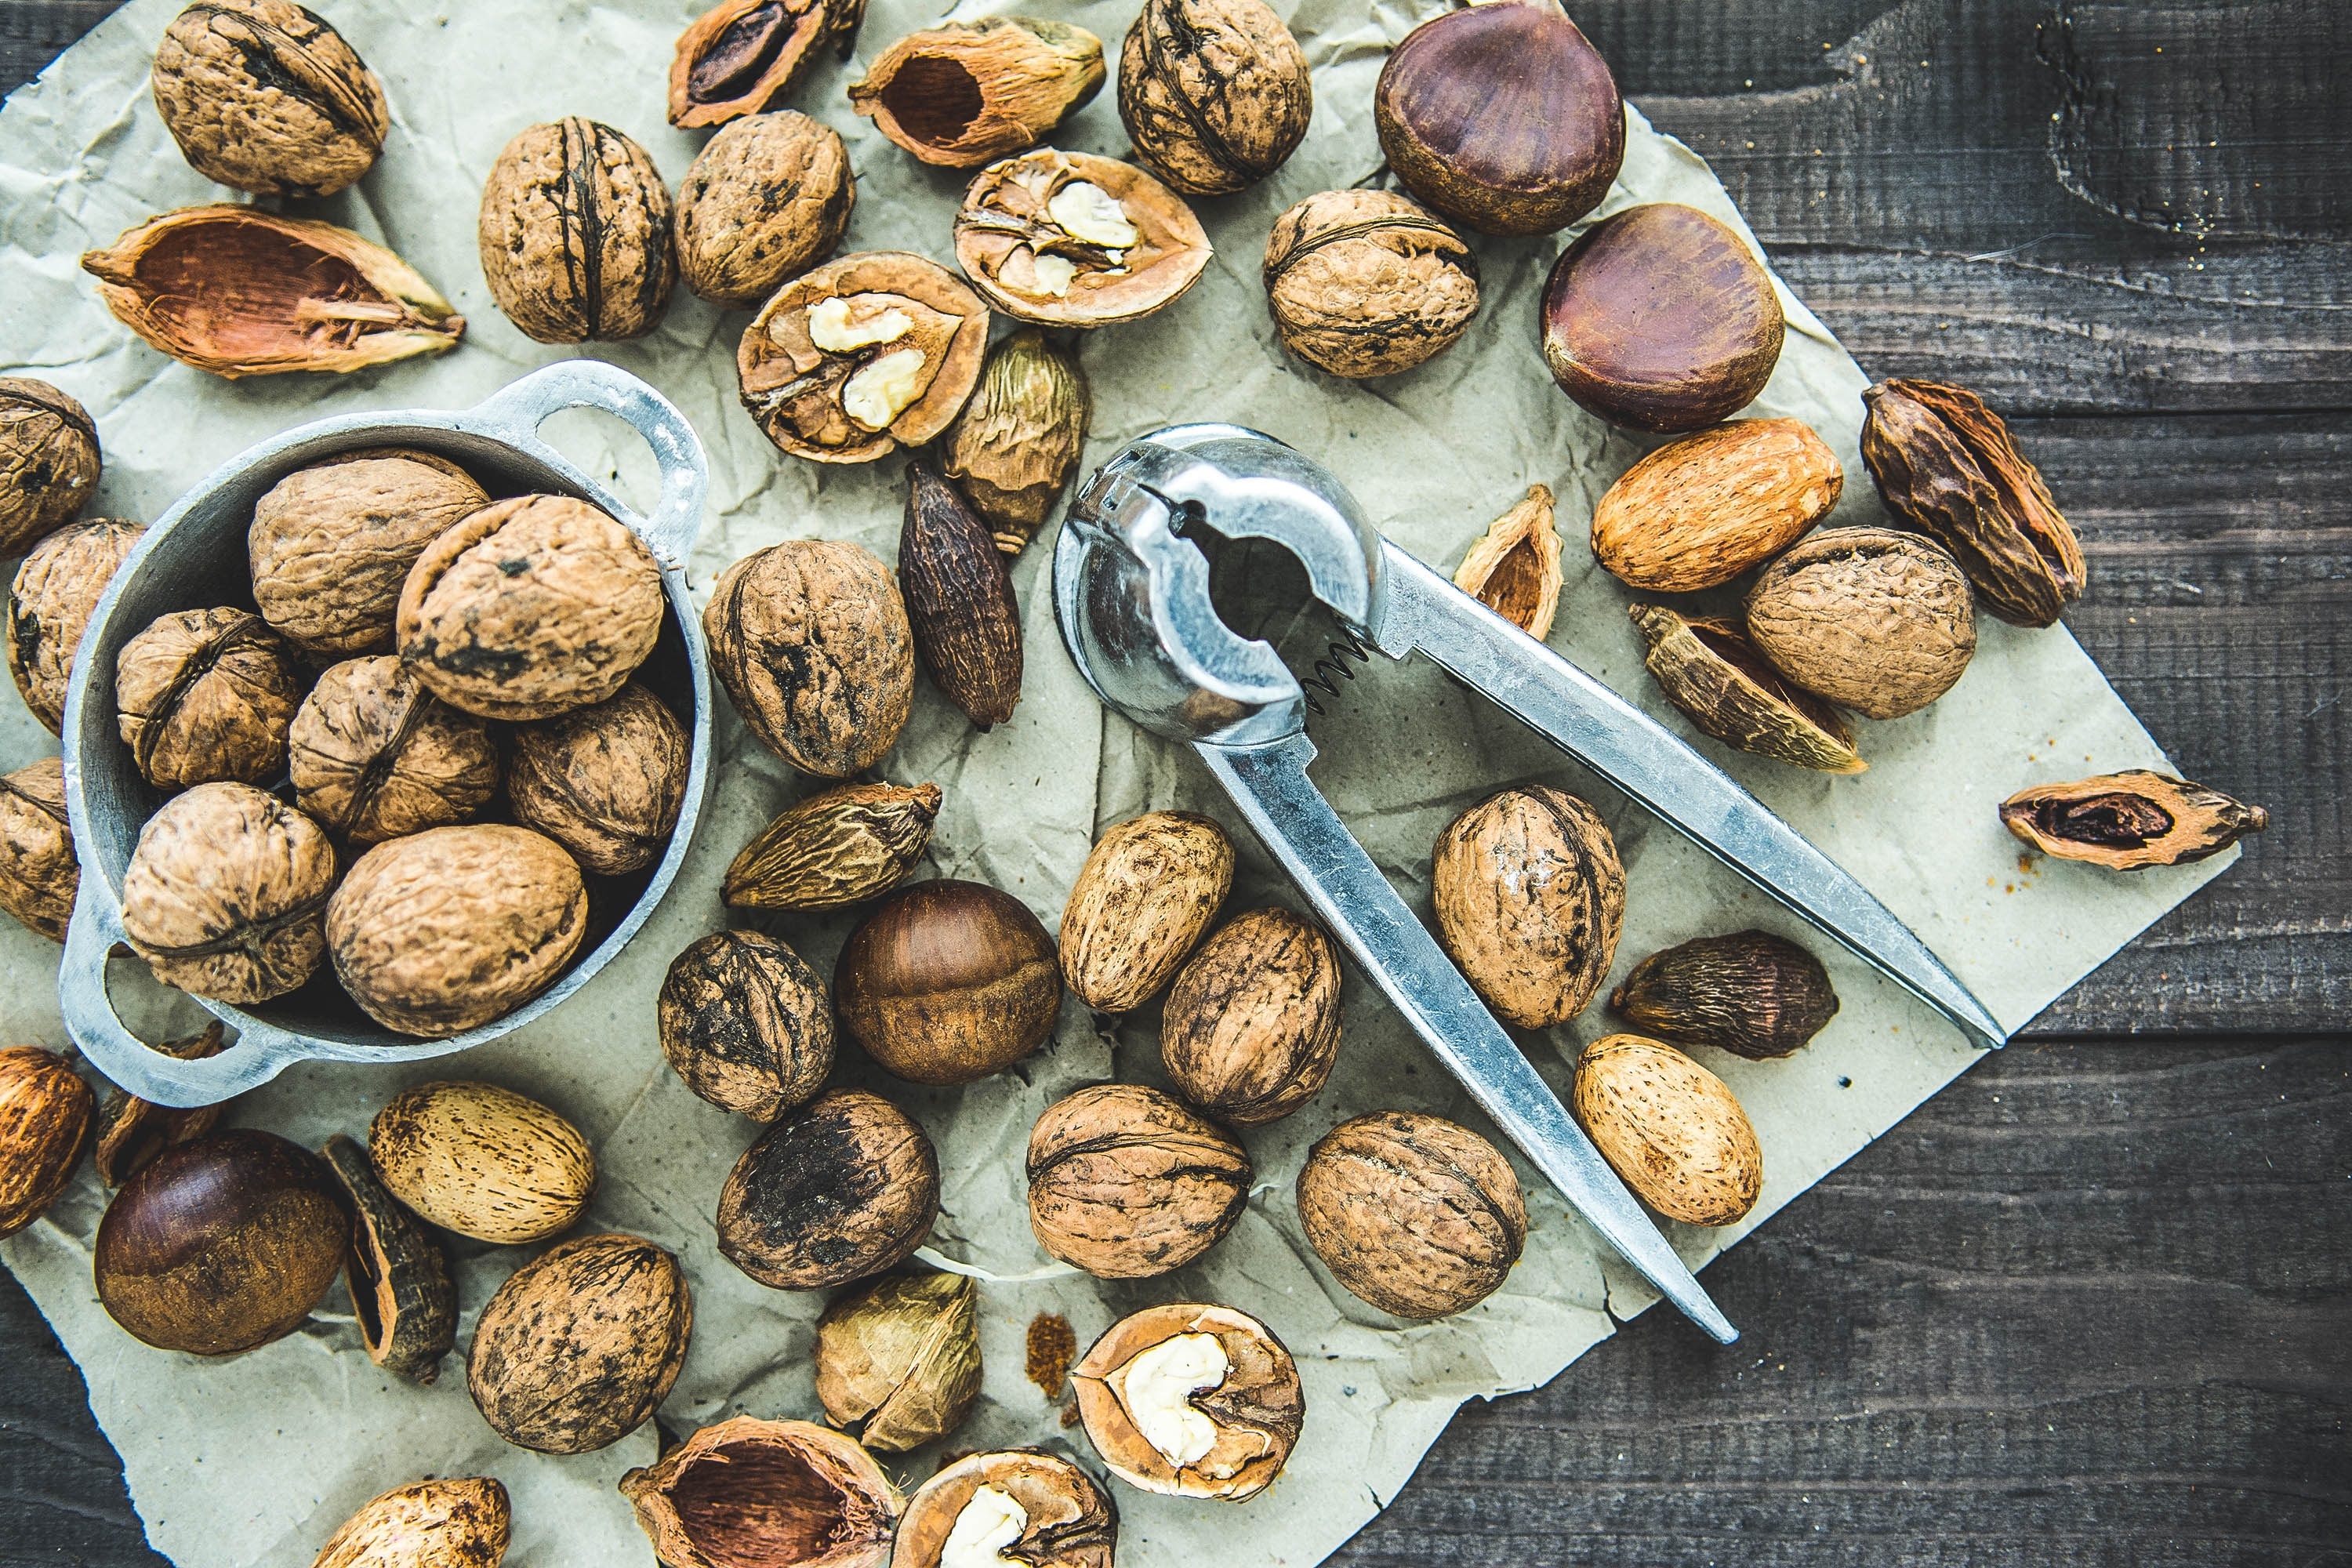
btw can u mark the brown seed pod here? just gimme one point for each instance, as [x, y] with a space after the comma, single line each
[1513, 568]
[1531, 898]
[605, 781]
[373, 755]
[222, 1244]
[1711, 671]
[1068, 239]
[202, 695]
[49, 603]
[1013, 449]
[482, 1161]
[765, 200]
[457, 1523]
[1670, 1129]
[948, 982]
[265, 96]
[841, 847]
[810, 637]
[1698, 513]
[845, 1186]
[960, 601]
[1214, 92]
[575, 234]
[2129, 821]
[397, 1275]
[1252, 1026]
[224, 895]
[898, 1362]
[1148, 889]
[45, 1113]
[1212, 1383]
[331, 544]
[1661, 318]
[962, 94]
[239, 291]
[1416, 1216]
[746, 1023]
[1125, 1183]
[531, 607]
[48, 464]
[581, 1346]
[1872, 619]
[749, 1493]
[1752, 994]
[742, 56]
[440, 931]
[1366, 283]
[1046, 1511]
[39, 874]
[132, 1132]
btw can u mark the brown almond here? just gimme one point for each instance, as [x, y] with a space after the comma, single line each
[1141, 901]
[960, 601]
[1699, 512]
[1670, 1128]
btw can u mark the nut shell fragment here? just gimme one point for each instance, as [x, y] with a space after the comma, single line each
[1513, 568]
[749, 1493]
[1413, 1214]
[959, 600]
[1698, 512]
[743, 55]
[1125, 1183]
[1013, 449]
[1872, 619]
[331, 544]
[763, 202]
[1256, 1411]
[456, 1524]
[1530, 897]
[605, 781]
[203, 695]
[132, 1132]
[841, 847]
[575, 234]
[1067, 1518]
[581, 1346]
[1149, 889]
[265, 96]
[482, 1161]
[1670, 1129]
[1135, 246]
[373, 755]
[962, 93]
[844, 1187]
[1710, 670]
[45, 1113]
[1214, 92]
[48, 462]
[1752, 994]
[224, 895]
[2131, 820]
[1252, 1026]
[898, 1361]
[397, 1275]
[810, 639]
[746, 1023]
[40, 876]
[1365, 283]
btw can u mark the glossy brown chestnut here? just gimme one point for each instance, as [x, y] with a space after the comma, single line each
[949, 981]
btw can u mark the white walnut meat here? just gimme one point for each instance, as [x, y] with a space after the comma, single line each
[56, 587]
[1019, 1505]
[1069, 239]
[812, 641]
[575, 234]
[223, 894]
[1215, 92]
[862, 356]
[1125, 1183]
[331, 544]
[765, 200]
[1876, 620]
[1192, 1400]
[373, 755]
[202, 695]
[266, 96]
[49, 459]
[1530, 899]
[605, 781]
[1365, 283]
[39, 873]
[1412, 1214]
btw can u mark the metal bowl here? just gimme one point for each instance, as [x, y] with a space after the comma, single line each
[195, 558]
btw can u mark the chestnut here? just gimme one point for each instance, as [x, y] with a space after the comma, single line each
[949, 981]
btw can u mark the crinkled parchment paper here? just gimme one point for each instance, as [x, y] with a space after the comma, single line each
[256, 1460]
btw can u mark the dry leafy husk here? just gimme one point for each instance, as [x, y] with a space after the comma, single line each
[2131, 820]
[239, 291]
[1366, 283]
[743, 55]
[557, 193]
[397, 1275]
[1009, 220]
[898, 1362]
[132, 1132]
[482, 1161]
[1698, 513]
[841, 847]
[39, 874]
[373, 755]
[224, 895]
[605, 781]
[746, 1023]
[763, 202]
[962, 93]
[1125, 1183]
[1257, 1410]
[581, 1346]
[1513, 568]
[749, 1493]
[331, 544]
[1214, 92]
[846, 1186]
[1752, 994]
[456, 1524]
[1871, 618]
[1013, 449]
[810, 639]
[959, 600]
[1069, 1519]
[265, 96]
[1419, 1217]
[949, 981]
[45, 1111]
[1711, 671]
[1670, 1129]
[1252, 1026]
[202, 695]
[1148, 889]
[48, 462]
[1530, 897]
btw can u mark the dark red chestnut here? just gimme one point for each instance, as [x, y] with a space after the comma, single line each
[949, 981]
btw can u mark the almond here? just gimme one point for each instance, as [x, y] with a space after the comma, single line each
[1670, 1128]
[1699, 512]
[1140, 903]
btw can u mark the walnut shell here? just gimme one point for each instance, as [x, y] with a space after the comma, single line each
[1013, 449]
[1871, 618]
[765, 200]
[531, 607]
[1214, 92]
[1024, 208]
[742, 55]
[440, 931]
[1067, 1518]
[575, 234]
[401, 1296]
[1416, 1216]
[810, 639]
[202, 695]
[266, 97]
[1531, 898]
[1700, 511]
[1670, 1129]
[1252, 1026]
[1367, 283]
[1710, 670]
[1255, 1412]
[48, 460]
[2131, 820]
[456, 1524]
[581, 1346]
[749, 1493]
[1148, 889]
[45, 1111]
[746, 1023]
[331, 544]
[223, 894]
[1125, 1183]
[842, 845]
[49, 605]
[605, 781]
[846, 1186]
[898, 1360]
[962, 93]
[482, 1161]
[373, 755]
[39, 873]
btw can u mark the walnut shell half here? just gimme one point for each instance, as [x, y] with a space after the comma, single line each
[1416, 1216]
[266, 97]
[203, 695]
[49, 605]
[1237, 1424]
[331, 544]
[373, 755]
[222, 895]
[1066, 1518]
[48, 460]
[1069, 239]
[605, 781]
[812, 641]
[575, 234]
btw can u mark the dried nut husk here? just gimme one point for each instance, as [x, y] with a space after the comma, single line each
[373, 755]
[742, 55]
[1513, 568]
[202, 695]
[39, 873]
[1531, 898]
[959, 600]
[1252, 1026]
[1148, 889]
[581, 1346]
[56, 587]
[132, 1132]
[898, 1362]
[222, 1244]
[1249, 1417]
[46, 1114]
[1670, 1129]
[1872, 619]
[762, 203]
[1418, 1216]
[1068, 239]
[824, 368]
[331, 544]
[1367, 283]
[397, 1275]
[948, 982]
[444, 930]
[240, 291]
[1945, 464]
[558, 193]
[1711, 671]
[844, 1187]
[746, 1023]
[482, 1161]
[749, 1493]
[1698, 512]
[225, 894]
[1752, 994]
[842, 847]
[1125, 1183]
[2130, 820]
[1013, 449]
[1661, 318]
[457, 1523]
[605, 781]
[810, 637]
[1066, 1519]
[265, 96]
[531, 607]
[48, 462]
[1214, 92]
[962, 94]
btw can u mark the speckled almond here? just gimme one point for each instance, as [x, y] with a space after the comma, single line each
[1670, 1128]
[482, 1161]
[1149, 889]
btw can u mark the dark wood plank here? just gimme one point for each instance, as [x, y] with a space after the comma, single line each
[34, 32]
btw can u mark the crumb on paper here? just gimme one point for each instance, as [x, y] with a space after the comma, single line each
[1052, 1348]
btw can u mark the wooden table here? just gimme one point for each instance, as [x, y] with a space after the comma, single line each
[2092, 1304]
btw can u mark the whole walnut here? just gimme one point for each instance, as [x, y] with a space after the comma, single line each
[265, 96]
[1214, 92]
[746, 1023]
[39, 875]
[203, 695]
[1418, 1216]
[1367, 283]
[331, 544]
[1531, 898]
[575, 234]
[1873, 620]
[531, 607]
[810, 639]
[604, 782]
[765, 200]
[57, 587]
[1252, 1026]
[374, 755]
[1125, 1183]
[49, 459]
[223, 894]
[844, 1187]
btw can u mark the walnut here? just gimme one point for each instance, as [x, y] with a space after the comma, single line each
[604, 782]
[746, 1023]
[206, 694]
[223, 894]
[39, 874]
[49, 459]
[1366, 283]
[1531, 898]
[374, 755]
[1068, 239]
[49, 605]
[1416, 1216]
[265, 96]
[763, 202]
[1252, 1026]
[575, 234]
[331, 544]
[1125, 1183]
[1872, 619]
[812, 641]
[1214, 92]
[531, 607]
[845, 1186]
